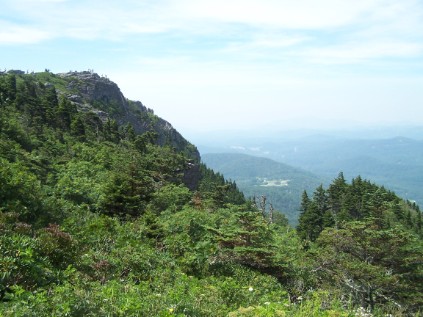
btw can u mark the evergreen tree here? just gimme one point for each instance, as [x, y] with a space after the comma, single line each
[353, 206]
[419, 222]
[128, 132]
[50, 104]
[336, 196]
[303, 226]
[11, 87]
[305, 202]
[315, 215]
[141, 141]
[64, 114]
[8, 88]
[372, 265]
[77, 128]
[313, 222]
[111, 131]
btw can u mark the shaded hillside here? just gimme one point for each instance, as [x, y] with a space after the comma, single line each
[257, 176]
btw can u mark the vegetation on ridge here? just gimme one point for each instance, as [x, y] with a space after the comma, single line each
[99, 220]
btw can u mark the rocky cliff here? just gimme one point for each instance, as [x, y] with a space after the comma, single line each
[97, 94]
[91, 92]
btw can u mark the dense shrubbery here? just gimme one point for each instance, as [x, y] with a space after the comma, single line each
[96, 221]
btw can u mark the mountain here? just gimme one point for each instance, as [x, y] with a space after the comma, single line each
[395, 162]
[282, 184]
[101, 103]
[96, 94]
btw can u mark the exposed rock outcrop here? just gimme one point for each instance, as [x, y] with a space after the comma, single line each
[94, 93]
[91, 92]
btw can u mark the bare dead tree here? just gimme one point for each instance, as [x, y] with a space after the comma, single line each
[271, 209]
[263, 205]
[254, 202]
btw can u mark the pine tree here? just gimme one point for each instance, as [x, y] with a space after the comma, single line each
[312, 218]
[336, 196]
[305, 202]
[302, 219]
[77, 128]
[111, 131]
[7, 88]
[64, 113]
[50, 104]
[372, 265]
[128, 132]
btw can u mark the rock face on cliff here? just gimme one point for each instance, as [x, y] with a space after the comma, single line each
[91, 92]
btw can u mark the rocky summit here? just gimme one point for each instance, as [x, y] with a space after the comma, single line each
[92, 92]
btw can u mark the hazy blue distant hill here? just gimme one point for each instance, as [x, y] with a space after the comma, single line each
[394, 162]
[255, 176]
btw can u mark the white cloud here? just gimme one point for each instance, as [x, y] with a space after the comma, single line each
[38, 2]
[264, 41]
[13, 34]
[299, 14]
[118, 20]
[359, 52]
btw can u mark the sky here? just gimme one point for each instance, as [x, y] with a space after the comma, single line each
[234, 65]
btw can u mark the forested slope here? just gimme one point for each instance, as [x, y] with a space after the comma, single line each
[258, 176]
[101, 218]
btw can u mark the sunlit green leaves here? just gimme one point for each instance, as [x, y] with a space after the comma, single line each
[20, 190]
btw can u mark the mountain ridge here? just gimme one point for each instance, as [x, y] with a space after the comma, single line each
[91, 92]
[395, 162]
[102, 103]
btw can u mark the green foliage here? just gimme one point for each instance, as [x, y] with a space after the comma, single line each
[374, 266]
[58, 246]
[7, 89]
[216, 191]
[20, 190]
[141, 141]
[21, 262]
[171, 196]
[371, 249]
[82, 182]
[96, 220]
[342, 203]
[316, 214]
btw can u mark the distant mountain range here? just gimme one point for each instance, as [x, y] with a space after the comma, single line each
[256, 176]
[396, 162]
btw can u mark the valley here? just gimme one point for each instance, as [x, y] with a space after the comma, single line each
[282, 184]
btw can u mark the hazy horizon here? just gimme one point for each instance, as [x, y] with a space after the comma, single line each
[239, 137]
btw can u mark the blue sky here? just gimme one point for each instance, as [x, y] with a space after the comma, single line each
[211, 65]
